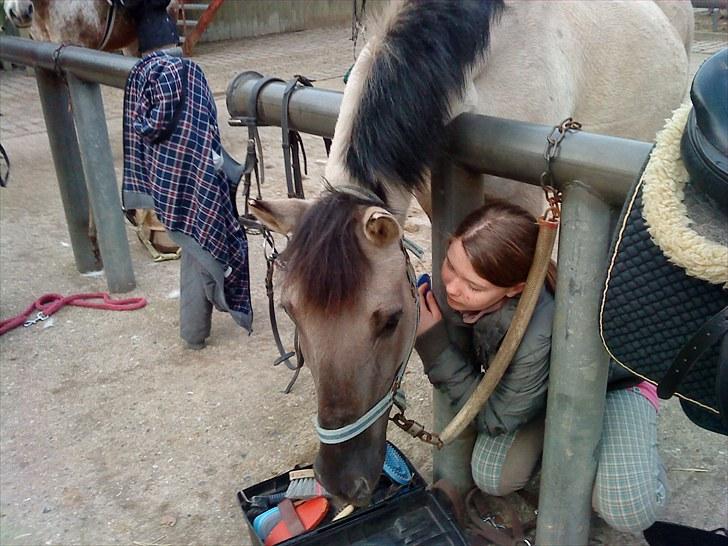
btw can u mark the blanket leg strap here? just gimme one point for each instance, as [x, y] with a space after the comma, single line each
[708, 335]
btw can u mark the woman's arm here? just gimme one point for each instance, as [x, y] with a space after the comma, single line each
[448, 369]
[521, 393]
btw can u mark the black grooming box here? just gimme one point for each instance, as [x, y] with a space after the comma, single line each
[410, 516]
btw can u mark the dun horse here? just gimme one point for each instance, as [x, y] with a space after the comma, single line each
[95, 24]
[618, 67]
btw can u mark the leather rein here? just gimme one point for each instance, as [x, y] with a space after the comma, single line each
[254, 167]
[109, 27]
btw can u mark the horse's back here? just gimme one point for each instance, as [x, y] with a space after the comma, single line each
[619, 67]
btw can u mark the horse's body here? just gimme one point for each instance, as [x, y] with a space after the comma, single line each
[617, 67]
[77, 22]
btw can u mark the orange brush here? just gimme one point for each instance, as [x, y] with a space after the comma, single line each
[297, 519]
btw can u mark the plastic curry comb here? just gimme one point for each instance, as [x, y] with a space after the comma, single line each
[395, 467]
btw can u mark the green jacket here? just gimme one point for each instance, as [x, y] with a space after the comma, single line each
[521, 393]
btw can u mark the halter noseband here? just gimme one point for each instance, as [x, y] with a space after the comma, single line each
[394, 395]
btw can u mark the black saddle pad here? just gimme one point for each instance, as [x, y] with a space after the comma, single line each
[652, 308]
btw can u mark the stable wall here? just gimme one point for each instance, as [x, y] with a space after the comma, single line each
[247, 18]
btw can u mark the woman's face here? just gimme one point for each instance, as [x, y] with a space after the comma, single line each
[466, 290]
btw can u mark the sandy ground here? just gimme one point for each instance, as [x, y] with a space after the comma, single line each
[111, 432]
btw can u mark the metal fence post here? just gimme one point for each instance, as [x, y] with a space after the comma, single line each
[578, 375]
[98, 167]
[69, 171]
[455, 192]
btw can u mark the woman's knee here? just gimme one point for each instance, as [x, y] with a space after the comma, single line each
[492, 485]
[487, 478]
[632, 506]
[489, 455]
[505, 464]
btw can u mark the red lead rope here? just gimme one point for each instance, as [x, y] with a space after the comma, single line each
[48, 304]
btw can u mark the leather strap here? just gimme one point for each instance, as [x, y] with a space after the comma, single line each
[290, 142]
[485, 526]
[252, 121]
[722, 382]
[454, 498]
[110, 19]
[284, 355]
[290, 518]
[4, 176]
[707, 335]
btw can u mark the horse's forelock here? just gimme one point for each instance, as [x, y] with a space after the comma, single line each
[324, 259]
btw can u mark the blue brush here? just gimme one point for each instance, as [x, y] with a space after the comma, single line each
[424, 279]
[265, 522]
[395, 467]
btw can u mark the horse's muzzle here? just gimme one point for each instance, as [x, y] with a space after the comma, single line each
[348, 482]
[351, 470]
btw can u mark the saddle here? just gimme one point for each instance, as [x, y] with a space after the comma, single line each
[664, 311]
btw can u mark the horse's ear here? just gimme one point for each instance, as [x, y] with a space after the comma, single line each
[380, 227]
[280, 215]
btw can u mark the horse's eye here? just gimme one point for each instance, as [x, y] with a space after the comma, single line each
[390, 324]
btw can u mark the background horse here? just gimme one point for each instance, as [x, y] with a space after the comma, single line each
[88, 23]
[617, 67]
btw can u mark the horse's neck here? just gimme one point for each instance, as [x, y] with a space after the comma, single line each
[336, 172]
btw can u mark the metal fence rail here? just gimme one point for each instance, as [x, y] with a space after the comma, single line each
[485, 144]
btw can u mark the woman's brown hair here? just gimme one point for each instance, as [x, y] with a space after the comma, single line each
[500, 241]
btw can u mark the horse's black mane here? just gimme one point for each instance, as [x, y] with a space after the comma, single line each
[419, 67]
[324, 257]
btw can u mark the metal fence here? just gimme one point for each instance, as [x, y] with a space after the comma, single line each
[594, 171]
[69, 80]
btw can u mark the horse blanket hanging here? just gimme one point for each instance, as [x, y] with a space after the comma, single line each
[664, 312]
[173, 162]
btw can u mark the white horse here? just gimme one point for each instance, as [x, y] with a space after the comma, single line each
[620, 68]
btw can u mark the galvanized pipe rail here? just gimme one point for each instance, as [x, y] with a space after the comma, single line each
[485, 144]
[595, 173]
[69, 80]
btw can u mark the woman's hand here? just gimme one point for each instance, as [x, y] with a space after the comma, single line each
[430, 313]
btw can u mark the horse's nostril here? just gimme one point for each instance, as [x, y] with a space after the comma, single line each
[30, 9]
[11, 13]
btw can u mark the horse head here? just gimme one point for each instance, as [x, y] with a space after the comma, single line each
[347, 285]
[20, 12]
